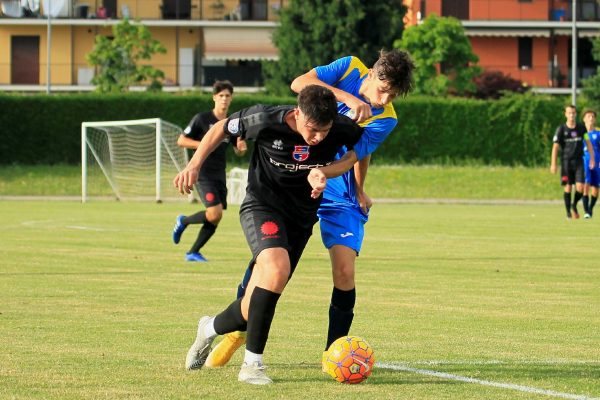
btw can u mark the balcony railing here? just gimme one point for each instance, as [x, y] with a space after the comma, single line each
[237, 10]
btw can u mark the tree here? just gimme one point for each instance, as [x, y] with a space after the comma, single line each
[591, 85]
[445, 62]
[117, 58]
[316, 32]
[493, 84]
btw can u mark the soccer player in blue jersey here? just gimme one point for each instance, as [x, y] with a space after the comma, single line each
[592, 176]
[364, 94]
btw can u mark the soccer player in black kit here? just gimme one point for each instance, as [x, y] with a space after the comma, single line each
[293, 156]
[569, 139]
[211, 183]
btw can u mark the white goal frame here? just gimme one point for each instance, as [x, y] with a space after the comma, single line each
[158, 146]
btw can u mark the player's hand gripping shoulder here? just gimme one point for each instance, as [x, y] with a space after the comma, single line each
[184, 181]
[361, 111]
[318, 182]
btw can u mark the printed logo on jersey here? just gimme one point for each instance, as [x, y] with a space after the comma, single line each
[277, 144]
[300, 153]
[573, 134]
[269, 230]
[233, 126]
[345, 235]
[210, 197]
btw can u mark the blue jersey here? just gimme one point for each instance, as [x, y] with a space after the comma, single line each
[347, 74]
[594, 137]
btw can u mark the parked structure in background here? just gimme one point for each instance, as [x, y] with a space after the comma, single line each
[530, 40]
[205, 40]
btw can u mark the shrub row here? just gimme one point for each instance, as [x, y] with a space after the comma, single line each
[517, 130]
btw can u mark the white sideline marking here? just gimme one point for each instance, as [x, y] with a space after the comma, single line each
[86, 228]
[78, 227]
[499, 362]
[521, 388]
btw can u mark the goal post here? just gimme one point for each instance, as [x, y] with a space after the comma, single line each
[131, 159]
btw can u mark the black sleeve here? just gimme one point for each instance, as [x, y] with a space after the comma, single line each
[195, 129]
[558, 137]
[352, 131]
[248, 122]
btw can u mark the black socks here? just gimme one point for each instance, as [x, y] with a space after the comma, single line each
[341, 313]
[260, 317]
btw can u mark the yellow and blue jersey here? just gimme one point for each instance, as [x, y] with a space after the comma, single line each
[591, 176]
[347, 74]
[594, 137]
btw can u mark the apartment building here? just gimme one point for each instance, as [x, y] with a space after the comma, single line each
[212, 39]
[529, 40]
[205, 39]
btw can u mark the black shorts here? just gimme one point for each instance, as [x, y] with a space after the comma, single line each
[571, 171]
[265, 228]
[212, 193]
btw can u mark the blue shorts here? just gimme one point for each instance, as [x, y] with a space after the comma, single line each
[592, 176]
[342, 224]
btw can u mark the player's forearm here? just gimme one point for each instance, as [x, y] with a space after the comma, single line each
[360, 172]
[592, 156]
[554, 154]
[311, 78]
[186, 142]
[208, 144]
[338, 167]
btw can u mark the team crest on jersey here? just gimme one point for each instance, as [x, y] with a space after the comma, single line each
[300, 153]
[573, 133]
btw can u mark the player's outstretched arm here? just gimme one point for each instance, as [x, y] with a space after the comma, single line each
[553, 158]
[185, 180]
[588, 143]
[362, 111]
[360, 175]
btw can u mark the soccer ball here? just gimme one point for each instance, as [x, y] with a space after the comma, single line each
[349, 359]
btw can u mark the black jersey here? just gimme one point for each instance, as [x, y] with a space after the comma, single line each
[281, 159]
[570, 141]
[214, 166]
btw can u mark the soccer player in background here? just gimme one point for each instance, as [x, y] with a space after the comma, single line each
[366, 95]
[293, 155]
[592, 176]
[211, 183]
[569, 138]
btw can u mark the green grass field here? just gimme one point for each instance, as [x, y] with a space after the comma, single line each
[407, 182]
[97, 303]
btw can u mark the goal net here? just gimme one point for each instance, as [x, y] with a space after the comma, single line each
[131, 160]
[237, 179]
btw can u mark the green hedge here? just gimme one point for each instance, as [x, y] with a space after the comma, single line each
[45, 129]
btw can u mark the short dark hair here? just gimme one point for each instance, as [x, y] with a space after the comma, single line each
[219, 86]
[588, 111]
[318, 104]
[571, 106]
[396, 68]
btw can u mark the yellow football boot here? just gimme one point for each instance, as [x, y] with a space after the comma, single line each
[222, 352]
[324, 362]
